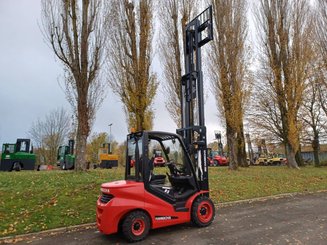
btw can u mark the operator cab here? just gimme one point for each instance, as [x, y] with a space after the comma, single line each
[175, 181]
[8, 148]
[22, 145]
[62, 151]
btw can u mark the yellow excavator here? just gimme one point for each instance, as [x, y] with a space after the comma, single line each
[106, 158]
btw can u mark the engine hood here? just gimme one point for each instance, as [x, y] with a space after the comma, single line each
[124, 189]
[121, 184]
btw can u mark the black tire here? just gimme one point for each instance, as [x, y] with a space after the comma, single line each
[136, 226]
[215, 163]
[203, 211]
[16, 166]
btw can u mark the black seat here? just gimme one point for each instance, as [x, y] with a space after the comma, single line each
[158, 179]
[181, 181]
[155, 179]
[183, 185]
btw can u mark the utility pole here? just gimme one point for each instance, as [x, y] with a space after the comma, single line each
[110, 132]
[109, 140]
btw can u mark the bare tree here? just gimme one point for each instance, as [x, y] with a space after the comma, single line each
[312, 115]
[323, 94]
[120, 150]
[75, 33]
[130, 52]
[228, 72]
[96, 141]
[321, 45]
[264, 115]
[49, 134]
[174, 16]
[321, 25]
[285, 34]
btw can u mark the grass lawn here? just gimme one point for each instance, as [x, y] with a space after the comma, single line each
[32, 201]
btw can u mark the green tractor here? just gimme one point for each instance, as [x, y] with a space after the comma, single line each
[65, 156]
[17, 156]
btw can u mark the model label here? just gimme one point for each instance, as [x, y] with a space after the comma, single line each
[165, 217]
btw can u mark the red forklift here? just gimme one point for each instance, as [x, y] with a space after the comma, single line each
[159, 161]
[149, 197]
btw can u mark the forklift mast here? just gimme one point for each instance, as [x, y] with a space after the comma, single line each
[198, 32]
[71, 144]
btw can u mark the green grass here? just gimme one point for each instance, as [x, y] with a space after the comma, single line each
[35, 201]
[255, 182]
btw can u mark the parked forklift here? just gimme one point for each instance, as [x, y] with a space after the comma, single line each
[106, 158]
[147, 199]
[65, 156]
[17, 156]
[159, 160]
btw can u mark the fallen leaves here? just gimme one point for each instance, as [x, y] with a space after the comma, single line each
[34, 201]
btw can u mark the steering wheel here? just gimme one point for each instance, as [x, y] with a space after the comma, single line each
[174, 171]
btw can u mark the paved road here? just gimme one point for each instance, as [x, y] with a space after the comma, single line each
[300, 219]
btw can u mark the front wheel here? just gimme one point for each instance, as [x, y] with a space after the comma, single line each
[17, 166]
[136, 226]
[203, 211]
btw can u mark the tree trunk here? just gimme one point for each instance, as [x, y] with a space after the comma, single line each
[315, 146]
[232, 149]
[290, 155]
[299, 158]
[83, 131]
[241, 153]
[80, 160]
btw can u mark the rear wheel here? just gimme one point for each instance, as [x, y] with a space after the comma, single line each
[215, 163]
[203, 211]
[136, 226]
[17, 166]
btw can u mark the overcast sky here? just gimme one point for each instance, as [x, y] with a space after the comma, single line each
[30, 75]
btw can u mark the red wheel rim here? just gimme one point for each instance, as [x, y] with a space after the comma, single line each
[138, 227]
[205, 212]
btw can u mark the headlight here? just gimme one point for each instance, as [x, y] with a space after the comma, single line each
[105, 190]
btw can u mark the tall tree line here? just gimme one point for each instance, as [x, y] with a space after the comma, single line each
[77, 32]
[175, 15]
[286, 54]
[129, 58]
[228, 72]
[74, 31]
[291, 51]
